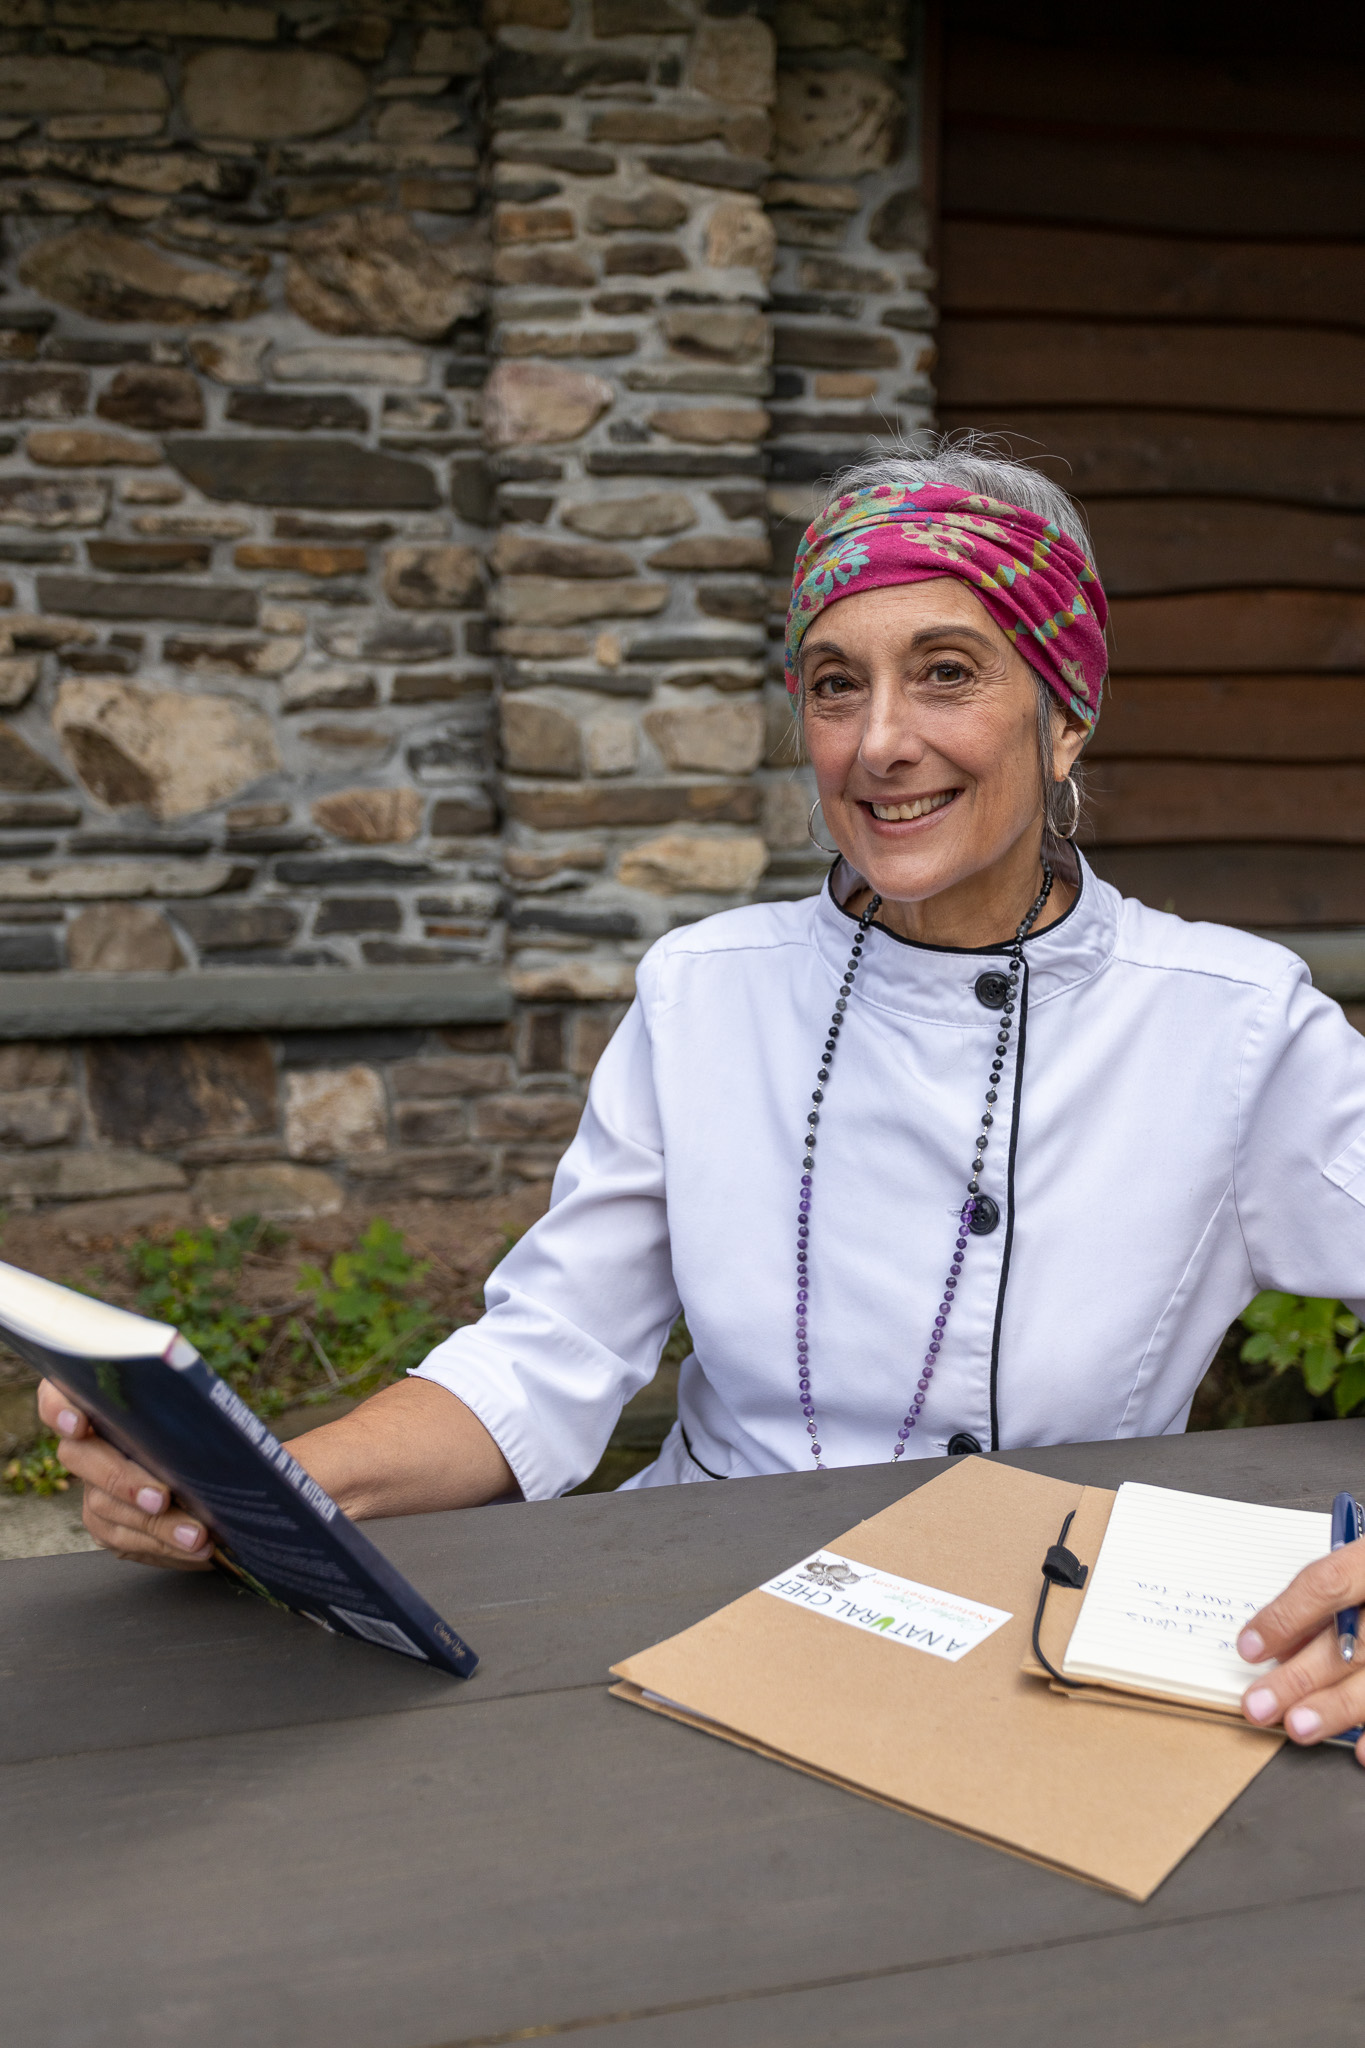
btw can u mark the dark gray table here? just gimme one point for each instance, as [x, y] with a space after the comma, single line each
[221, 1828]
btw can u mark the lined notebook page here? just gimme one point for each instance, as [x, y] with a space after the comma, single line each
[1177, 1578]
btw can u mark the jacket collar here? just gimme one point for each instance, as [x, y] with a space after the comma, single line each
[938, 983]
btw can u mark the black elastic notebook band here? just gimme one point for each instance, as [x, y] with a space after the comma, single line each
[1061, 1567]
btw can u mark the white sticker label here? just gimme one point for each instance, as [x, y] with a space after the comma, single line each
[901, 1610]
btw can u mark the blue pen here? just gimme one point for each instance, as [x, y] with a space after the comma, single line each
[1348, 1524]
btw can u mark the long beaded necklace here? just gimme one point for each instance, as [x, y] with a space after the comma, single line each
[964, 1221]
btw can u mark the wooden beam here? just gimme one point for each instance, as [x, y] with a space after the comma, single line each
[1097, 453]
[1027, 267]
[1139, 803]
[1244, 885]
[1244, 632]
[1150, 546]
[1231, 718]
[1281, 370]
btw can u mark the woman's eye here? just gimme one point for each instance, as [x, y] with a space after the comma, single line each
[948, 672]
[834, 685]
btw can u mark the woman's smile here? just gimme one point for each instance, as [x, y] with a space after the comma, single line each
[909, 808]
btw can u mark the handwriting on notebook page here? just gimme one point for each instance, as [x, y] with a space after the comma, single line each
[1178, 1577]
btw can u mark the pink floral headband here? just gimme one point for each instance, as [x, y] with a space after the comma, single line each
[1033, 580]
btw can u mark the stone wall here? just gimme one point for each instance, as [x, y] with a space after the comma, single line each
[411, 412]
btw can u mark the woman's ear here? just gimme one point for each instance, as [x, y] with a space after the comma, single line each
[1069, 735]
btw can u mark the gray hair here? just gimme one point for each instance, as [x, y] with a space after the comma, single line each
[974, 462]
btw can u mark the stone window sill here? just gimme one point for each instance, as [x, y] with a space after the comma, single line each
[240, 999]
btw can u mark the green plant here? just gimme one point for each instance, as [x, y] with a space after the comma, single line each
[1320, 1340]
[193, 1282]
[365, 1329]
[38, 1470]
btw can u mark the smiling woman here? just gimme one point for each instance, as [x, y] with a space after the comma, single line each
[1061, 1138]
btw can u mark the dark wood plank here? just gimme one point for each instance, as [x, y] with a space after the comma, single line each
[1009, 171]
[1118, 454]
[542, 1862]
[1239, 632]
[1146, 545]
[1027, 267]
[1232, 718]
[1141, 803]
[1117, 84]
[984, 361]
[1259, 886]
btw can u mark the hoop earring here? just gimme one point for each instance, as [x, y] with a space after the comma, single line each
[1070, 832]
[834, 852]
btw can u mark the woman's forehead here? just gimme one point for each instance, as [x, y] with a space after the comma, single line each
[902, 612]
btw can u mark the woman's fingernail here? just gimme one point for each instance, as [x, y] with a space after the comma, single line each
[1261, 1704]
[1303, 1723]
[151, 1501]
[68, 1421]
[1250, 1647]
[188, 1536]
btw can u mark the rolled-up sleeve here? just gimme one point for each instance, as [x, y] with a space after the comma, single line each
[1300, 1172]
[578, 1311]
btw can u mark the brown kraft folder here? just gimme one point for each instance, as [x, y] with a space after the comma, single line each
[979, 1746]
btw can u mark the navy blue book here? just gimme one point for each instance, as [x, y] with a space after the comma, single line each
[274, 1529]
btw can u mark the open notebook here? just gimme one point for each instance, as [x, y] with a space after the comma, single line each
[1177, 1578]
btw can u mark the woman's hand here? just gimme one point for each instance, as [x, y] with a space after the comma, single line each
[126, 1510]
[1315, 1691]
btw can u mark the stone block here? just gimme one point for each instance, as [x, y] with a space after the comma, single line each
[23, 767]
[836, 122]
[538, 403]
[36, 391]
[577, 979]
[589, 1031]
[715, 551]
[270, 95]
[263, 470]
[709, 167]
[34, 502]
[834, 348]
[452, 1074]
[78, 85]
[67, 1176]
[565, 269]
[88, 447]
[153, 1093]
[430, 1123]
[238, 927]
[527, 1116]
[242, 657]
[839, 24]
[148, 557]
[678, 462]
[168, 752]
[207, 604]
[552, 601]
[133, 19]
[33, 1117]
[122, 938]
[587, 805]
[743, 599]
[433, 578]
[680, 862]
[471, 816]
[533, 224]
[667, 125]
[580, 341]
[611, 745]
[463, 1170]
[712, 424]
[643, 259]
[31, 952]
[631, 518]
[329, 689]
[147, 395]
[531, 74]
[523, 866]
[740, 235]
[639, 18]
[92, 881]
[290, 412]
[370, 817]
[27, 1065]
[18, 680]
[358, 914]
[383, 363]
[540, 739]
[439, 686]
[735, 60]
[112, 276]
[269, 1188]
[718, 333]
[374, 273]
[725, 738]
[335, 1112]
[230, 358]
[517, 554]
[655, 208]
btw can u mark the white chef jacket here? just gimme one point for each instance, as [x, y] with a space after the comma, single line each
[1180, 1123]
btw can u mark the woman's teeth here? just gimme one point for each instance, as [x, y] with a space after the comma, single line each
[894, 814]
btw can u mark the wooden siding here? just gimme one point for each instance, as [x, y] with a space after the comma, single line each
[1152, 264]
